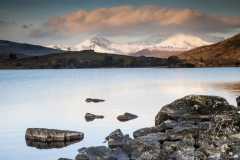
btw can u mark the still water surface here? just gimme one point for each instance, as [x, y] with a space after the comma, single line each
[56, 99]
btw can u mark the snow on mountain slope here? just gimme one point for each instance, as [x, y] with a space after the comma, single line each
[182, 42]
[174, 43]
[103, 45]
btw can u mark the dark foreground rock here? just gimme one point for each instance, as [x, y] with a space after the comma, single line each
[238, 101]
[90, 117]
[194, 127]
[52, 135]
[94, 100]
[126, 117]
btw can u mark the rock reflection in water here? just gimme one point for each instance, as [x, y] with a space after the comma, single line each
[49, 145]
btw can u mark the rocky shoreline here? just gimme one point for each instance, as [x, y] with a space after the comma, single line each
[195, 127]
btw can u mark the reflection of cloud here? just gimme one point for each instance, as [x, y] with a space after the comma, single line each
[146, 18]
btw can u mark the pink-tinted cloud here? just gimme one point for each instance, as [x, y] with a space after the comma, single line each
[147, 18]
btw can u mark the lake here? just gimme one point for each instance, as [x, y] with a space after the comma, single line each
[56, 99]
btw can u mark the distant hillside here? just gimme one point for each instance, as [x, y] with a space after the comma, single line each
[156, 53]
[23, 50]
[89, 59]
[225, 53]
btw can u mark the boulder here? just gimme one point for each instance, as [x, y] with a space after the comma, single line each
[101, 153]
[117, 139]
[194, 107]
[52, 135]
[90, 117]
[94, 100]
[126, 117]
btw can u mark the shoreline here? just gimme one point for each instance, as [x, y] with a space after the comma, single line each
[187, 128]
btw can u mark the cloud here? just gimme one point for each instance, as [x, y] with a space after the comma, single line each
[126, 19]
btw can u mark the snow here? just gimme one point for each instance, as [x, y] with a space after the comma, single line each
[179, 42]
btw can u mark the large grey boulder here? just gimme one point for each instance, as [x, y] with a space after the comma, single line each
[52, 135]
[194, 107]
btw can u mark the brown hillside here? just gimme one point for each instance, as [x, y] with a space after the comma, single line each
[225, 53]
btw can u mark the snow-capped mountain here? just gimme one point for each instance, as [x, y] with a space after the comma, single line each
[100, 44]
[182, 42]
[179, 43]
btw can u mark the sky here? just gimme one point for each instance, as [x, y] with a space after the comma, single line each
[71, 21]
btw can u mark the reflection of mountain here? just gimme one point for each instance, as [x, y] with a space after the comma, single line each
[162, 48]
[49, 145]
[225, 53]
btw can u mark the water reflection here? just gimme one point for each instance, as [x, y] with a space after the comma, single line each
[56, 99]
[49, 145]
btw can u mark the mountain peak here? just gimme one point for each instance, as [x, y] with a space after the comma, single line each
[183, 41]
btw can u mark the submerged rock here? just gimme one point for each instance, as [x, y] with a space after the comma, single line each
[52, 135]
[90, 117]
[126, 117]
[94, 100]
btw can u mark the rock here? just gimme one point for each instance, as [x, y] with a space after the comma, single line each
[117, 139]
[94, 100]
[93, 153]
[193, 127]
[238, 101]
[126, 117]
[193, 107]
[91, 117]
[52, 135]
[146, 131]
[64, 159]
[101, 153]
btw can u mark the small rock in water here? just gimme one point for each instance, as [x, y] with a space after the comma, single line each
[52, 135]
[94, 100]
[90, 117]
[238, 101]
[126, 117]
